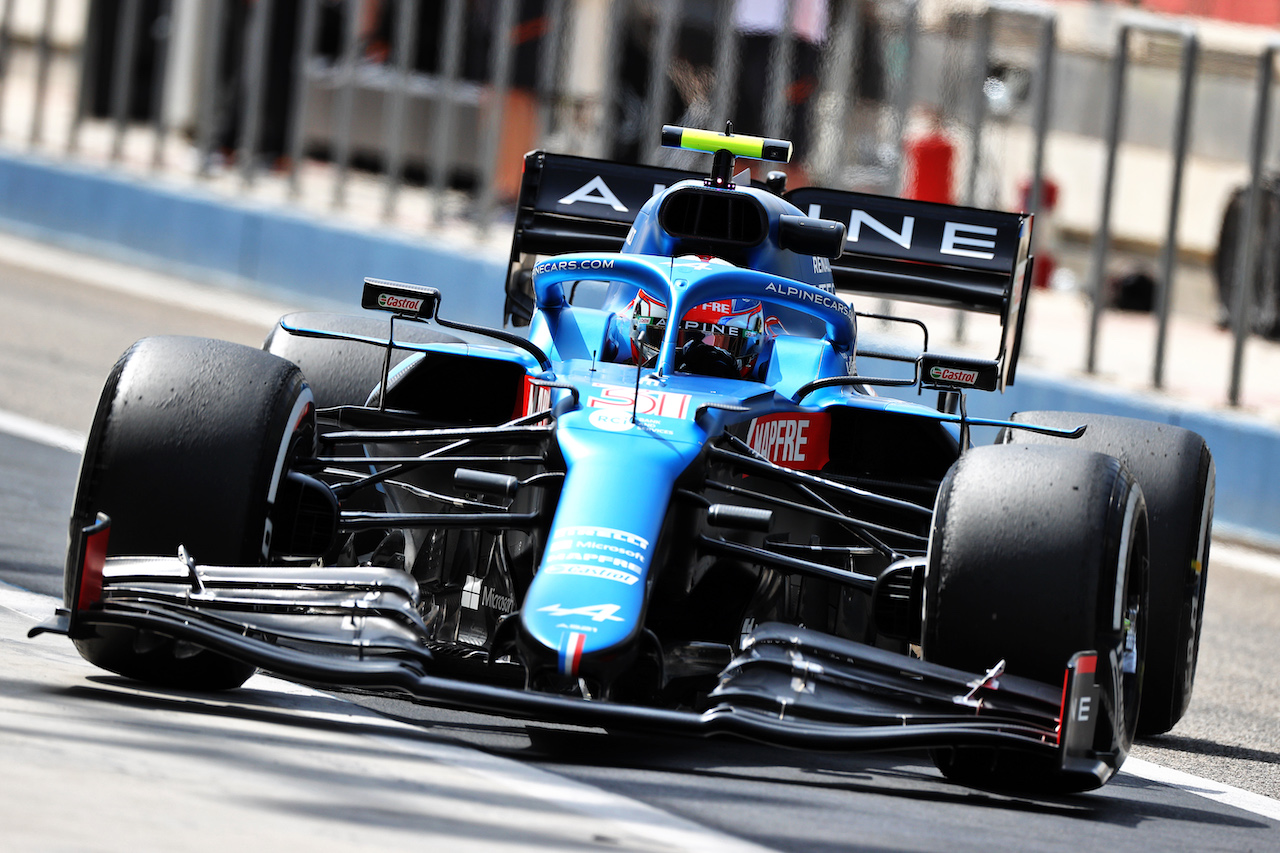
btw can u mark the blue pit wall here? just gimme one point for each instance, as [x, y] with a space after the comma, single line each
[214, 239]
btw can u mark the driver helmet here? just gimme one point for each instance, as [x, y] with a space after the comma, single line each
[721, 338]
[648, 323]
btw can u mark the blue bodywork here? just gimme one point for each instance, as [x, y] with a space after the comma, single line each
[635, 431]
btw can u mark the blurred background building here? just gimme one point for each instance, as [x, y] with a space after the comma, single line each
[1130, 128]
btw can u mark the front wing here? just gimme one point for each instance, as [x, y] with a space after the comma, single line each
[359, 627]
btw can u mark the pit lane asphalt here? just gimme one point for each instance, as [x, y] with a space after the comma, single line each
[60, 341]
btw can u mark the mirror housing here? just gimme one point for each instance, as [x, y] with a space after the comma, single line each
[413, 301]
[958, 373]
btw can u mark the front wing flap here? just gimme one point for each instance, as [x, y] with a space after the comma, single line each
[359, 627]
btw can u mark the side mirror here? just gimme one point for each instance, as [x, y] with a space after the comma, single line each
[414, 301]
[823, 238]
[958, 373]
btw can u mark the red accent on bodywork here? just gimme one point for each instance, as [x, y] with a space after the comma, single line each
[533, 398]
[95, 559]
[1083, 665]
[1062, 704]
[302, 416]
[794, 440]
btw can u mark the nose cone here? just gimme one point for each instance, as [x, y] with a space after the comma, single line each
[585, 608]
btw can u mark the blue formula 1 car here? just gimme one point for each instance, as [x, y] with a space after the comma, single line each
[678, 504]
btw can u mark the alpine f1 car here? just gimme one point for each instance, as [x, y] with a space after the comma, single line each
[678, 504]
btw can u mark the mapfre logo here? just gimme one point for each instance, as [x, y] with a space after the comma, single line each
[398, 303]
[800, 441]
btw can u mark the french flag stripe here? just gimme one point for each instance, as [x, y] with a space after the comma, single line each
[571, 652]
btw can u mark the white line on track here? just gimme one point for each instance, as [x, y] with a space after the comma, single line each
[639, 818]
[1216, 791]
[1258, 562]
[33, 605]
[41, 433]
[234, 302]
[617, 814]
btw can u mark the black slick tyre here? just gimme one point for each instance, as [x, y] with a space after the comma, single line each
[188, 447]
[1037, 553]
[343, 372]
[1175, 469]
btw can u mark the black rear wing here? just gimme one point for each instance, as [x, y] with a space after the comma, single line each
[577, 204]
[960, 257]
[940, 254]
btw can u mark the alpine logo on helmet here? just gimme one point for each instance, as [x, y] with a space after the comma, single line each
[721, 338]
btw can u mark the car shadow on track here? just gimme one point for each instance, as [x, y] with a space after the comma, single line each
[754, 771]
[1202, 746]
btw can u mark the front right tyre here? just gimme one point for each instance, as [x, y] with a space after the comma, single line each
[1037, 553]
[188, 447]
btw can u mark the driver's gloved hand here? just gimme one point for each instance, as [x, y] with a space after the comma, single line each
[706, 360]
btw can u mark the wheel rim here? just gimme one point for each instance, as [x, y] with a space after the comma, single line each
[1131, 611]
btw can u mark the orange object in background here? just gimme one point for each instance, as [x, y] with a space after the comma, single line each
[1264, 12]
[517, 137]
[930, 166]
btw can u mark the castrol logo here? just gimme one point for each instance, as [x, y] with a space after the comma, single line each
[948, 374]
[398, 303]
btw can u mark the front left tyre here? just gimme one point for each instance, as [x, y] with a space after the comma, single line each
[189, 446]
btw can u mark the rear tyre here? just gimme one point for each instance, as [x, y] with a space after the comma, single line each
[1037, 553]
[188, 447]
[1262, 306]
[1176, 472]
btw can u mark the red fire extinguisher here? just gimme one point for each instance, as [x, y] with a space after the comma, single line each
[1045, 232]
[930, 166]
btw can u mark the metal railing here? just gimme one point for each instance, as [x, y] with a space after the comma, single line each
[1242, 286]
[234, 94]
[1045, 21]
[1190, 47]
[429, 110]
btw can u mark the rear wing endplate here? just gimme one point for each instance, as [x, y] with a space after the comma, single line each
[960, 257]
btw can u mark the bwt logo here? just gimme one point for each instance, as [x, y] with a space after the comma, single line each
[399, 303]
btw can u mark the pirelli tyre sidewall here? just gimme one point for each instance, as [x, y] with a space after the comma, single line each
[188, 447]
[1176, 471]
[1037, 553]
